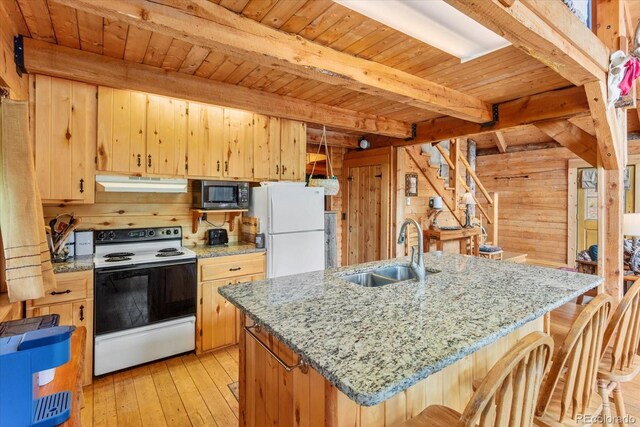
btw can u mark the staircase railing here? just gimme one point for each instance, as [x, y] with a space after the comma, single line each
[491, 216]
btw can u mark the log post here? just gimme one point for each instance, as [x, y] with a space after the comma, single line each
[610, 28]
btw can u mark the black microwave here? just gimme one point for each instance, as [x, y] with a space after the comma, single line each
[220, 194]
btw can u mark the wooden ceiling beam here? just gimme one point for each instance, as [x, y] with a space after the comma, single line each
[556, 104]
[74, 64]
[546, 30]
[572, 137]
[206, 24]
[605, 123]
[501, 143]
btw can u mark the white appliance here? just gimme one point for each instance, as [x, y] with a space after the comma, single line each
[292, 218]
[145, 297]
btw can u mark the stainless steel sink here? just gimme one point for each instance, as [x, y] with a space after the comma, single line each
[368, 279]
[384, 276]
[397, 273]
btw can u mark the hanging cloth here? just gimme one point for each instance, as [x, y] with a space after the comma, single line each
[616, 73]
[631, 72]
[29, 272]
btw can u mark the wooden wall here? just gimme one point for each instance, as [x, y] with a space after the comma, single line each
[131, 210]
[532, 207]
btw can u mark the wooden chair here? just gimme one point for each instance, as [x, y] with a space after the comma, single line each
[567, 396]
[621, 352]
[506, 396]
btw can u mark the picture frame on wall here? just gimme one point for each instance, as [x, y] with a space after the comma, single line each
[411, 185]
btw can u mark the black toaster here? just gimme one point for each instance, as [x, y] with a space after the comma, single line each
[217, 236]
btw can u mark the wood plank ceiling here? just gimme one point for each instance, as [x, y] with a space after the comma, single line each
[499, 76]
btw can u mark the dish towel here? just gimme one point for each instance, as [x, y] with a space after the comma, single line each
[29, 272]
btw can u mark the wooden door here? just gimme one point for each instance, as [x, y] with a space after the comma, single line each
[266, 147]
[238, 144]
[205, 141]
[65, 139]
[122, 131]
[365, 187]
[220, 318]
[166, 136]
[76, 313]
[293, 150]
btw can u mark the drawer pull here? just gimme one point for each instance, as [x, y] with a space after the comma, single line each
[235, 269]
[68, 291]
[81, 313]
[304, 367]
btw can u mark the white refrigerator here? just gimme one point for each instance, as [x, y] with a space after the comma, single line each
[291, 216]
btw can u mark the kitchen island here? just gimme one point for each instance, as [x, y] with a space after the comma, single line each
[379, 355]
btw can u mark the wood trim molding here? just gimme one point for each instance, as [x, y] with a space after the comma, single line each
[215, 27]
[74, 64]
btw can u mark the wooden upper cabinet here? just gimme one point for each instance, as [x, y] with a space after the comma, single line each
[293, 150]
[65, 139]
[122, 128]
[205, 141]
[238, 144]
[166, 136]
[266, 147]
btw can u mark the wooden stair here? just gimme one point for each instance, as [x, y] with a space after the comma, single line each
[430, 172]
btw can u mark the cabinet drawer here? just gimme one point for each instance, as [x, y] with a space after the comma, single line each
[231, 266]
[71, 287]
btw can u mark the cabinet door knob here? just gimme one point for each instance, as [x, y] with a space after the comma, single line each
[149, 164]
[277, 169]
[235, 269]
[81, 185]
[226, 166]
[81, 312]
[68, 291]
[284, 168]
[218, 166]
[139, 160]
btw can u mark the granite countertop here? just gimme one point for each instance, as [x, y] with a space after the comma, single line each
[372, 343]
[238, 248]
[79, 263]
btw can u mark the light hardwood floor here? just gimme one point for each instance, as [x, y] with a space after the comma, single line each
[194, 390]
[187, 390]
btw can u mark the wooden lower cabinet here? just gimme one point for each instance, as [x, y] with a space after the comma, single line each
[271, 396]
[72, 300]
[218, 321]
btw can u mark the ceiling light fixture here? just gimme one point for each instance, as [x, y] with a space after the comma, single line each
[433, 22]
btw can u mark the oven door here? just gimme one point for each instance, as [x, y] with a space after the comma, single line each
[220, 195]
[140, 295]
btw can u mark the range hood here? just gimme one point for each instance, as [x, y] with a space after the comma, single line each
[137, 184]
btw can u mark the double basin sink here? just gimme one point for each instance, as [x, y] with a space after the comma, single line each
[384, 276]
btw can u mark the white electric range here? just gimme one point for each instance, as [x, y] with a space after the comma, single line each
[144, 297]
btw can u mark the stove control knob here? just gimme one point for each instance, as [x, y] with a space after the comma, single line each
[101, 235]
[175, 231]
[112, 235]
[151, 233]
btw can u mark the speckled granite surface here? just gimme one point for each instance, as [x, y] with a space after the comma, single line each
[372, 343]
[230, 249]
[81, 263]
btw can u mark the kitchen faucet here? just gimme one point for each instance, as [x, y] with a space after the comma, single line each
[416, 266]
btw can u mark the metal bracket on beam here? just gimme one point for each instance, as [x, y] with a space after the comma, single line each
[18, 54]
[414, 131]
[496, 117]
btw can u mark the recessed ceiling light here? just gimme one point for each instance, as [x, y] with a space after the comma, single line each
[433, 22]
